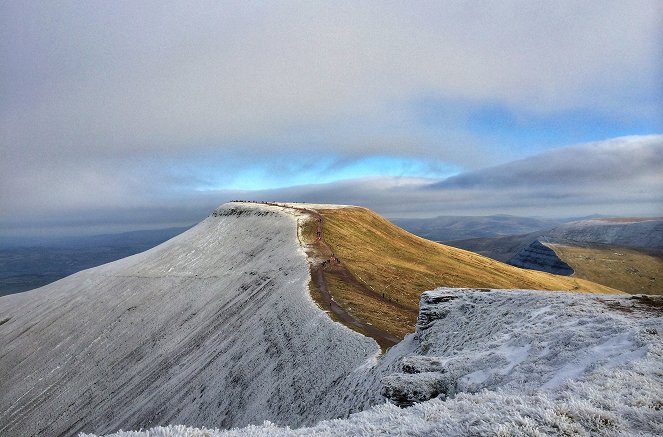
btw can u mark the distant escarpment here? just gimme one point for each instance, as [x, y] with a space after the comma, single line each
[538, 256]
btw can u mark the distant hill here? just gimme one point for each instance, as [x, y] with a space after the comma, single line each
[633, 232]
[624, 253]
[28, 264]
[448, 228]
[498, 248]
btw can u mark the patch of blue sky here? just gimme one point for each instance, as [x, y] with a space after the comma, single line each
[536, 132]
[523, 132]
[326, 170]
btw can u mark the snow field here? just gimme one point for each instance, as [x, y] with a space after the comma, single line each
[215, 326]
[518, 363]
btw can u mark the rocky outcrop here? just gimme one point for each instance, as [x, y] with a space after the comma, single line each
[404, 389]
[538, 256]
[469, 340]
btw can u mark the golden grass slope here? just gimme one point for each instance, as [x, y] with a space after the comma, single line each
[398, 266]
[630, 270]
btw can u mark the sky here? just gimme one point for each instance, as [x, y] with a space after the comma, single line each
[143, 114]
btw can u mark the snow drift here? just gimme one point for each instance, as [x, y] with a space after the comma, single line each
[214, 327]
[508, 363]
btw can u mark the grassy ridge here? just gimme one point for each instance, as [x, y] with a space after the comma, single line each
[400, 266]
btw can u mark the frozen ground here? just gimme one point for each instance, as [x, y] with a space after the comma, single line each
[214, 327]
[509, 363]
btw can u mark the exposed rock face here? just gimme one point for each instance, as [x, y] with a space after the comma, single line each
[538, 256]
[470, 340]
[430, 311]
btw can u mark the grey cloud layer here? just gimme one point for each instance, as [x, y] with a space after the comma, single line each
[124, 106]
[623, 176]
[634, 161]
[89, 78]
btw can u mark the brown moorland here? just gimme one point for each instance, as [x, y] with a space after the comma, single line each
[382, 269]
[631, 270]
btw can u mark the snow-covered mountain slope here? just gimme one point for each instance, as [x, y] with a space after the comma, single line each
[635, 233]
[509, 363]
[213, 327]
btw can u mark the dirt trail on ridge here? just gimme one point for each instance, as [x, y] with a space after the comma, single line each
[322, 260]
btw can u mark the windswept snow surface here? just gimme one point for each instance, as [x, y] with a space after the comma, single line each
[510, 363]
[215, 327]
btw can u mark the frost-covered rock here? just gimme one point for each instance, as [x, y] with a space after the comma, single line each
[521, 363]
[530, 340]
[420, 364]
[406, 389]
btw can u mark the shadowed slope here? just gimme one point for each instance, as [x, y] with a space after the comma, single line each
[390, 269]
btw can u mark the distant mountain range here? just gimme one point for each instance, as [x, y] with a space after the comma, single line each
[448, 228]
[624, 253]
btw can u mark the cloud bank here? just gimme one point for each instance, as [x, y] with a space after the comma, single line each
[622, 176]
[110, 106]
